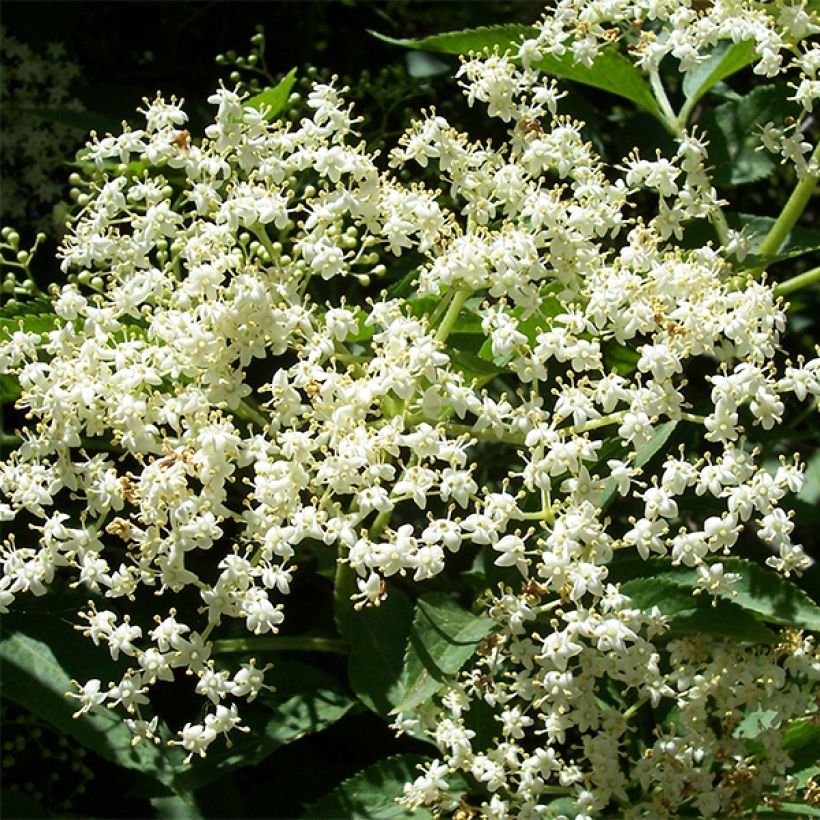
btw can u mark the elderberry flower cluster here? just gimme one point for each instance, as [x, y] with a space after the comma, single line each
[254, 422]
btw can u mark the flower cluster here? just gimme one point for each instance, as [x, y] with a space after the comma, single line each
[253, 421]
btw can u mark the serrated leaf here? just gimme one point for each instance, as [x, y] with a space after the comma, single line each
[30, 316]
[726, 59]
[273, 99]
[643, 456]
[733, 130]
[610, 72]
[376, 637]
[306, 701]
[463, 42]
[759, 589]
[696, 614]
[371, 794]
[442, 638]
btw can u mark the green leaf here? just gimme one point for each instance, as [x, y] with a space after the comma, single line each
[620, 358]
[726, 59]
[306, 701]
[34, 676]
[376, 637]
[802, 742]
[31, 316]
[9, 389]
[274, 99]
[371, 794]
[759, 589]
[644, 455]
[442, 638]
[734, 134]
[611, 71]
[693, 615]
[478, 39]
[549, 306]
[473, 368]
[753, 723]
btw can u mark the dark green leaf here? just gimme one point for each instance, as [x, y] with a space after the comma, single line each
[371, 794]
[442, 638]
[644, 455]
[620, 358]
[473, 368]
[734, 134]
[611, 71]
[802, 742]
[274, 99]
[306, 701]
[696, 614]
[34, 676]
[377, 637]
[759, 589]
[9, 389]
[798, 239]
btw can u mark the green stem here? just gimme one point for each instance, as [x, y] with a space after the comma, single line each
[262, 235]
[7, 440]
[249, 410]
[279, 644]
[449, 320]
[804, 280]
[484, 435]
[792, 211]
[667, 118]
